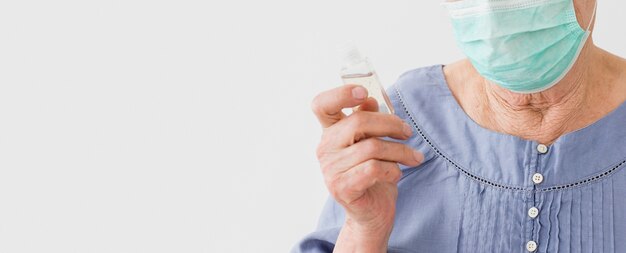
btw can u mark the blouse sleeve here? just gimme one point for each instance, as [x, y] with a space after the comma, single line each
[325, 235]
[333, 216]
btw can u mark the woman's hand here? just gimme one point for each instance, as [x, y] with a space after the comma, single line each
[360, 170]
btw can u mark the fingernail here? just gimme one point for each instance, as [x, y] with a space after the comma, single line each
[419, 157]
[407, 130]
[359, 93]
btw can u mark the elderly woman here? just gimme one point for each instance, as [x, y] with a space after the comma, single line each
[519, 148]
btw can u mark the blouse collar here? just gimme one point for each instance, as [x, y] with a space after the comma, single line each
[504, 159]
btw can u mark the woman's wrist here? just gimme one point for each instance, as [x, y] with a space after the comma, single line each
[355, 237]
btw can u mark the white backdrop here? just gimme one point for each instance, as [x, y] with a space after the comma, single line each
[184, 126]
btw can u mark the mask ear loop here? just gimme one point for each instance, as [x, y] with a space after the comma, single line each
[593, 15]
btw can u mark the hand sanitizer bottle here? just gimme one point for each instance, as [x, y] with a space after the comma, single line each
[358, 70]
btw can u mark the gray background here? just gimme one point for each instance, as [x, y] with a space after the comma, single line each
[184, 126]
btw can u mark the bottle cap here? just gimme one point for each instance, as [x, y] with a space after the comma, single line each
[349, 53]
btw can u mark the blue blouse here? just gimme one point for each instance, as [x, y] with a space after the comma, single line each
[483, 191]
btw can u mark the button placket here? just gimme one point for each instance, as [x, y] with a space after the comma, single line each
[537, 178]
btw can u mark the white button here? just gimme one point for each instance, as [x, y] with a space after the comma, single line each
[533, 212]
[537, 178]
[542, 148]
[531, 246]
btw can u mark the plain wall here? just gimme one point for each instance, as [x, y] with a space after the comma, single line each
[185, 126]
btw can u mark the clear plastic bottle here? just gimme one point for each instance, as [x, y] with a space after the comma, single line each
[357, 69]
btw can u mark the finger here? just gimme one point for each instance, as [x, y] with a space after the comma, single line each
[370, 105]
[375, 148]
[340, 161]
[356, 181]
[327, 105]
[363, 124]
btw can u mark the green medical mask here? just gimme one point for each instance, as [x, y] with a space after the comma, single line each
[525, 46]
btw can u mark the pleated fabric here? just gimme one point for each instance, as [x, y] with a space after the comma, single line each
[587, 218]
[474, 190]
